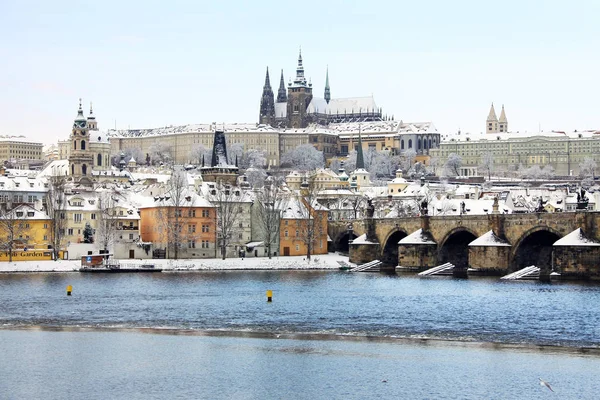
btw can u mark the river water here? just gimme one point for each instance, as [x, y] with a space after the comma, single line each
[325, 335]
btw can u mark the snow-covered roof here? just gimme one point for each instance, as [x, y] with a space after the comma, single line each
[18, 139]
[192, 128]
[99, 137]
[576, 238]
[56, 168]
[489, 239]
[349, 105]
[190, 199]
[550, 135]
[362, 239]
[26, 212]
[417, 237]
[21, 184]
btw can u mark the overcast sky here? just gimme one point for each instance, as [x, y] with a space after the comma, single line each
[156, 63]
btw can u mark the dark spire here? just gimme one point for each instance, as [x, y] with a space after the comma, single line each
[267, 103]
[300, 79]
[360, 159]
[327, 90]
[219, 152]
[282, 93]
[236, 160]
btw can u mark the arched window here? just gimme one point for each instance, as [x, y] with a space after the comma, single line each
[419, 144]
[429, 143]
[72, 169]
[402, 144]
[83, 169]
[83, 145]
[424, 144]
[99, 160]
[75, 145]
[410, 143]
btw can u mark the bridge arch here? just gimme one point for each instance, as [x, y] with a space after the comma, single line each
[534, 247]
[454, 248]
[389, 251]
[342, 241]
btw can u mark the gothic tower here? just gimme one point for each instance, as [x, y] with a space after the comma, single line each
[491, 125]
[281, 93]
[503, 122]
[267, 103]
[80, 158]
[327, 96]
[299, 97]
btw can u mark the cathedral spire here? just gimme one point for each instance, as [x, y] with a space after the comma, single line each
[80, 116]
[502, 115]
[327, 90]
[300, 79]
[281, 93]
[360, 159]
[267, 103]
[492, 114]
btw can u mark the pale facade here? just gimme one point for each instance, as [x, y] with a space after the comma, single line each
[19, 148]
[563, 151]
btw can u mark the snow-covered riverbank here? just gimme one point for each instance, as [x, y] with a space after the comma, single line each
[328, 261]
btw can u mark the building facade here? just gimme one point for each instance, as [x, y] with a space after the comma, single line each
[17, 148]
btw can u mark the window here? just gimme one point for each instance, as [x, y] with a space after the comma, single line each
[70, 231]
[410, 143]
[45, 237]
[178, 213]
[192, 213]
[241, 225]
[99, 161]
[45, 226]
[83, 145]
[297, 233]
[191, 228]
[131, 236]
[191, 244]
[93, 216]
[285, 233]
[240, 236]
[205, 244]
[297, 247]
[205, 229]
[26, 225]
[205, 213]
[77, 217]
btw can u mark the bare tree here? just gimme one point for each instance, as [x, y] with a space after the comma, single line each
[226, 199]
[313, 219]
[487, 164]
[55, 203]
[12, 228]
[198, 153]
[160, 153]
[453, 164]
[587, 168]
[268, 215]
[106, 228]
[407, 159]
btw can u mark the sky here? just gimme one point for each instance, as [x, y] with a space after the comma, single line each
[147, 64]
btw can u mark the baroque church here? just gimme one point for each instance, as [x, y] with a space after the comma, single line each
[296, 107]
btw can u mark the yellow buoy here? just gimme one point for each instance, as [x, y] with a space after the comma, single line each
[69, 290]
[269, 296]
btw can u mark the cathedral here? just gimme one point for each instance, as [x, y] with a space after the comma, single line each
[296, 107]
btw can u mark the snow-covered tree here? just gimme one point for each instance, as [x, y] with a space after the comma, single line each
[335, 164]
[256, 177]
[88, 233]
[453, 164]
[434, 165]
[487, 164]
[135, 152]
[587, 168]
[312, 222]
[304, 157]
[250, 158]
[160, 153]
[199, 153]
[381, 165]
[417, 170]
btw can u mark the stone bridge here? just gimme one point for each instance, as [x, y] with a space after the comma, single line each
[515, 241]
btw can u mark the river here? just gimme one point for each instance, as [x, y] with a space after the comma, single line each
[325, 335]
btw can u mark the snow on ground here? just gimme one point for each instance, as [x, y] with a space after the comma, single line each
[319, 262]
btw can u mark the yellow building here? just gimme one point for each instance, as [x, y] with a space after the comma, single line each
[24, 227]
[19, 148]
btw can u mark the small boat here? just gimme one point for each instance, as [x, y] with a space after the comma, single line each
[103, 263]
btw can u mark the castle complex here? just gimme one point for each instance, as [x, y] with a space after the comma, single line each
[296, 107]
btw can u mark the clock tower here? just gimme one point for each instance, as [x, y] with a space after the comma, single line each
[80, 158]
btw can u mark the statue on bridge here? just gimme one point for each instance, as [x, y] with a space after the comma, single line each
[582, 200]
[540, 207]
[424, 207]
[370, 208]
